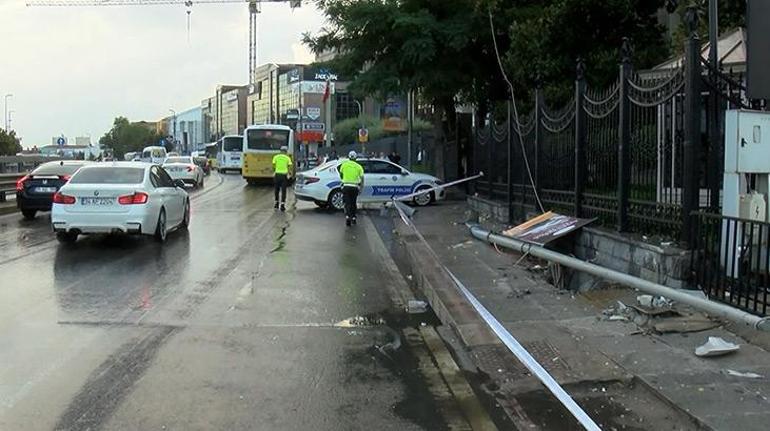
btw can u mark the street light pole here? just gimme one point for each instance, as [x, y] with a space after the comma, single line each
[5, 111]
[10, 113]
[173, 134]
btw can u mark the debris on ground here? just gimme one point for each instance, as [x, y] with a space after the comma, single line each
[461, 244]
[716, 346]
[415, 306]
[684, 324]
[650, 301]
[664, 319]
[746, 375]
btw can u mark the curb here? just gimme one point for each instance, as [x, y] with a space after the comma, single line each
[448, 303]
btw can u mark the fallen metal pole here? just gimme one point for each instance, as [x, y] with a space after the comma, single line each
[711, 307]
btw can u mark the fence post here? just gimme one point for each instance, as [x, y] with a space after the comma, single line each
[509, 132]
[490, 161]
[692, 115]
[539, 134]
[624, 136]
[580, 137]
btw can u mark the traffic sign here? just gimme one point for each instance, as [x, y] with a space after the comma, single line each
[363, 135]
[61, 141]
[313, 112]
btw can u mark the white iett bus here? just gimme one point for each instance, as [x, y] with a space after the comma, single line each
[229, 154]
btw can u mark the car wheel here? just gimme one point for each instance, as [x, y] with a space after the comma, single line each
[29, 214]
[161, 231]
[200, 184]
[186, 218]
[67, 237]
[321, 205]
[336, 200]
[423, 199]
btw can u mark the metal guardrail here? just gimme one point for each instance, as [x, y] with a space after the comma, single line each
[8, 184]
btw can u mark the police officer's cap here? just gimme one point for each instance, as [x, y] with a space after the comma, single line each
[352, 155]
[284, 148]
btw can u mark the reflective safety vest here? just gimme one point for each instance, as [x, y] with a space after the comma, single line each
[281, 163]
[351, 173]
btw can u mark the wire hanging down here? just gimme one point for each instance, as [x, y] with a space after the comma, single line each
[516, 125]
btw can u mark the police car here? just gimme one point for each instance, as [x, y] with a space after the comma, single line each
[382, 181]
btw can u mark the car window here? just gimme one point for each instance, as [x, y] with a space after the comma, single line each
[155, 177]
[57, 169]
[177, 160]
[165, 178]
[380, 167]
[109, 175]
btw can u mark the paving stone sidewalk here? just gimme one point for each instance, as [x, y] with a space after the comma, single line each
[624, 378]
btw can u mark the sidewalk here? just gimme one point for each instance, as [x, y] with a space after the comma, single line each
[623, 377]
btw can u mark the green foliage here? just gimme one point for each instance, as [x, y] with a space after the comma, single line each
[547, 39]
[9, 143]
[390, 47]
[445, 49]
[346, 131]
[732, 15]
[125, 137]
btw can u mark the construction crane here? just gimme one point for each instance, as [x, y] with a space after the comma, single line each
[254, 10]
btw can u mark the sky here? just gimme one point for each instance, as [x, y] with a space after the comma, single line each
[72, 70]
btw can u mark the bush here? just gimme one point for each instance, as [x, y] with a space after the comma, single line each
[346, 131]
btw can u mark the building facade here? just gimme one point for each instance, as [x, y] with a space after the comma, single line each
[227, 110]
[187, 130]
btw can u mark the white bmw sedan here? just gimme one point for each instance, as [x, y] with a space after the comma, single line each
[126, 197]
[383, 180]
[184, 168]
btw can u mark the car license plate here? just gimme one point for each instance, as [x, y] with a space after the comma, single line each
[45, 189]
[96, 201]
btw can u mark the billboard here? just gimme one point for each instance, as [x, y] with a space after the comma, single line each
[393, 114]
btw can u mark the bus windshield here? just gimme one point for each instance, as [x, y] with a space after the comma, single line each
[233, 144]
[264, 139]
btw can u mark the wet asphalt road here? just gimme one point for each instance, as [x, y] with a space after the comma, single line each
[232, 325]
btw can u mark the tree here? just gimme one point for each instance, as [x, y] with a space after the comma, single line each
[9, 143]
[391, 47]
[125, 137]
[445, 48]
[550, 39]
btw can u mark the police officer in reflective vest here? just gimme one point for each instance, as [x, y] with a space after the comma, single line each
[352, 175]
[281, 164]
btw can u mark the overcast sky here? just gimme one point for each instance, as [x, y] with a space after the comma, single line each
[72, 70]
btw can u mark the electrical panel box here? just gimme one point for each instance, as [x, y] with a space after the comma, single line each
[752, 206]
[747, 141]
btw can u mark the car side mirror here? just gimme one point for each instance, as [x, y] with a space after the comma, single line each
[404, 172]
[179, 183]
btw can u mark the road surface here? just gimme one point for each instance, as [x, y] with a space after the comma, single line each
[254, 319]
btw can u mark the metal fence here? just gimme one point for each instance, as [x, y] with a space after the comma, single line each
[635, 155]
[731, 260]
